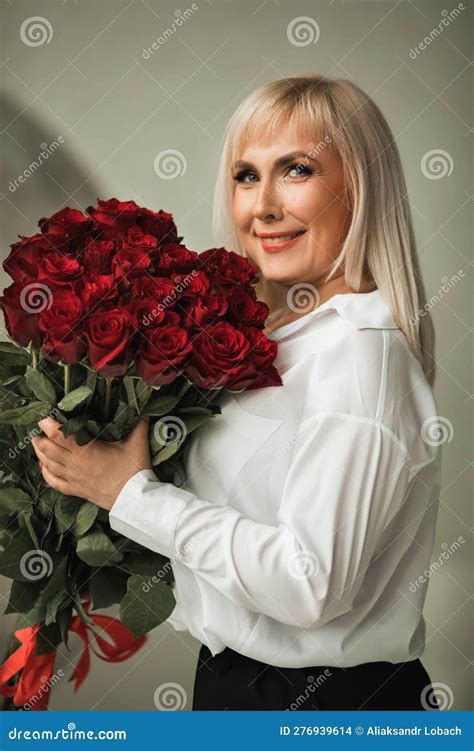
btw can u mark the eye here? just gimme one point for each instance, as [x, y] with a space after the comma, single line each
[300, 169]
[240, 176]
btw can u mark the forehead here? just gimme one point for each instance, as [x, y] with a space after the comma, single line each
[266, 144]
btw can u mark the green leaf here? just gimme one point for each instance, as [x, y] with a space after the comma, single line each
[160, 405]
[65, 512]
[11, 352]
[85, 518]
[74, 398]
[23, 596]
[31, 413]
[107, 587]
[40, 385]
[96, 549]
[72, 426]
[14, 499]
[130, 390]
[19, 558]
[165, 453]
[144, 607]
[149, 564]
[194, 421]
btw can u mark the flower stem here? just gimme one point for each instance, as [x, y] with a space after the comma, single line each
[34, 355]
[67, 379]
[108, 393]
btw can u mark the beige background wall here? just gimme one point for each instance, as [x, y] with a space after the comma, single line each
[115, 111]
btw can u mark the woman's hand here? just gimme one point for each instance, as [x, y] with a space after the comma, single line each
[96, 471]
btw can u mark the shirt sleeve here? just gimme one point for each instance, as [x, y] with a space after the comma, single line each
[347, 478]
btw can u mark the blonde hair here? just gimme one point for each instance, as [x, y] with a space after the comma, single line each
[380, 241]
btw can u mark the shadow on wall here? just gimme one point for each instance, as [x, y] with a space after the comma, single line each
[41, 172]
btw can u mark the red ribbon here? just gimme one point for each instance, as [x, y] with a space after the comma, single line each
[38, 669]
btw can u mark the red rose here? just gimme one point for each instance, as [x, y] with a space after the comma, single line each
[98, 255]
[162, 350]
[129, 263]
[159, 288]
[97, 288]
[59, 269]
[146, 312]
[176, 258]
[20, 303]
[205, 309]
[262, 353]
[218, 355]
[23, 258]
[70, 222]
[226, 267]
[245, 308]
[62, 324]
[114, 217]
[111, 335]
[191, 285]
[136, 238]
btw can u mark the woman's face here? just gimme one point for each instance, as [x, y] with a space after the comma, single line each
[279, 191]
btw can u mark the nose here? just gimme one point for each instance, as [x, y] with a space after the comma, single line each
[267, 206]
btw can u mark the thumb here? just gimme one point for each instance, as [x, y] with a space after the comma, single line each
[140, 431]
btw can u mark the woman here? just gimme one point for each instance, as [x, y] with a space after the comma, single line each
[309, 509]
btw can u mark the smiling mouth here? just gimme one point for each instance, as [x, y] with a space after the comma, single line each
[281, 238]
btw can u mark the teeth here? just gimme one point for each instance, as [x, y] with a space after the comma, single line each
[280, 239]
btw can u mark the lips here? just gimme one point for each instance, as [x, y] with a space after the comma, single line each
[282, 237]
[273, 242]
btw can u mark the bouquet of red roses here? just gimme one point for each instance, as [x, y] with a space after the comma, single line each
[111, 318]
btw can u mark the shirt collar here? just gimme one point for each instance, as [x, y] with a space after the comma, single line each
[364, 310]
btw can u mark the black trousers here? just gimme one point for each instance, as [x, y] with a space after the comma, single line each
[232, 681]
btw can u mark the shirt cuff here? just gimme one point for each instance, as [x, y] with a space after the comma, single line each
[146, 511]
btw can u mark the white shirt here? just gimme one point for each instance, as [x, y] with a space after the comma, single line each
[309, 510]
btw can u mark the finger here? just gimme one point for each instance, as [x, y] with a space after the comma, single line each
[53, 467]
[52, 450]
[52, 429]
[56, 482]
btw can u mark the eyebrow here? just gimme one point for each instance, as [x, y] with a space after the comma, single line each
[281, 161]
